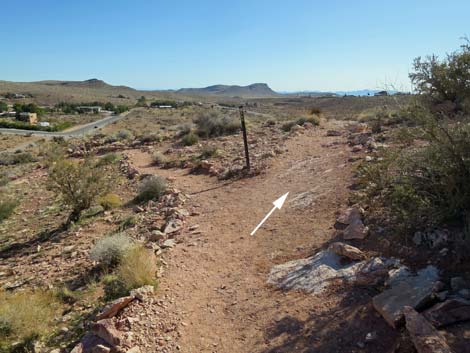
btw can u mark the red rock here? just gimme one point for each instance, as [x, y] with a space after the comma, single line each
[448, 312]
[114, 307]
[346, 250]
[425, 337]
[88, 343]
[106, 330]
[355, 231]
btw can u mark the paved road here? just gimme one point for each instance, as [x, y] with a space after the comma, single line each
[79, 131]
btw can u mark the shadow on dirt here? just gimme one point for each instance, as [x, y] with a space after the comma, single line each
[29, 246]
[342, 328]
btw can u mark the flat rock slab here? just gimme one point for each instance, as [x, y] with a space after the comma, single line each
[313, 274]
[425, 337]
[449, 312]
[412, 291]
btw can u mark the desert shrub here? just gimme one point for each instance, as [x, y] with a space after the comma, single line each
[445, 80]
[315, 111]
[108, 158]
[190, 139]
[4, 179]
[25, 316]
[151, 188]
[208, 152]
[159, 159]
[128, 222]
[300, 121]
[210, 124]
[137, 268]
[77, 183]
[124, 135]
[149, 138]
[184, 129]
[110, 201]
[110, 250]
[7, 206]
[16, 158]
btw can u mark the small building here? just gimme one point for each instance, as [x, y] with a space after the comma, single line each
[44, 124]
[165, 107]
[31, 118]
[89, 109]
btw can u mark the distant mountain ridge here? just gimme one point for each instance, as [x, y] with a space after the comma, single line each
[253, 90]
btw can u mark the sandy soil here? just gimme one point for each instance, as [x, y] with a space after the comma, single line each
[217, 278]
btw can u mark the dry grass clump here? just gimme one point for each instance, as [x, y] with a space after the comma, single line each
[110, 201]
[137, 268]
[25, 316]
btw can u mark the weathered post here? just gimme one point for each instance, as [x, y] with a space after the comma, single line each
[245, 140]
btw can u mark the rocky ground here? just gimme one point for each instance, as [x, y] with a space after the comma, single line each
[312, 279]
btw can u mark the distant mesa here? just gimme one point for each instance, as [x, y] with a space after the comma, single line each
[253, 90]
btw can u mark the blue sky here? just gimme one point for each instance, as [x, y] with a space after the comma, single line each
[291, 45]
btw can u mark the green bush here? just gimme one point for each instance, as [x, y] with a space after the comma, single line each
[190, 139]
[77, 183]
[109, 158]
[7, 207]
[210, 124]
[151, 188]
[445, 80]
[110, 250]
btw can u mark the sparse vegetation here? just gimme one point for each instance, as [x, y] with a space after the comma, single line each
[210, 124]
[151, 188]
[425, 184]
[300, 121]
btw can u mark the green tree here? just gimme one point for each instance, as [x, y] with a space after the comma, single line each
[109, 106]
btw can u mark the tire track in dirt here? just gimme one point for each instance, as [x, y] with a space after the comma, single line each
[218, 278]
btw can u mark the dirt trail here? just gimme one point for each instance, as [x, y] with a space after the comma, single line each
[218, 279]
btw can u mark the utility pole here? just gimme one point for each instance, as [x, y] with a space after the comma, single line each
[245, 140]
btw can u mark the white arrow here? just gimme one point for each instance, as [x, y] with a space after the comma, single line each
[277, 204]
